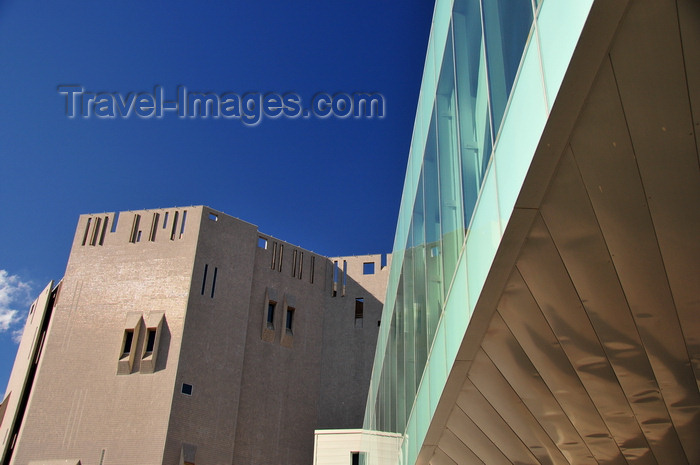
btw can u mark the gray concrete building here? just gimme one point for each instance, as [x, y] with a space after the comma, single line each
[183, 336]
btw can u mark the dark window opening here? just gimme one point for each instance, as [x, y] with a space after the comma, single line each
[104, 230]
[165, 220]
[274, 255]
[313, 265]
[154, 227]
[187, 389]
[96, 232]
[128, 341]
[355, 458]
[301, 264]
[204, 279]
[135, 229]
[271, 314]
[290, 318]
[368, 268]
[213, 282]
[281, 256]
[294, 263]
[174, 228]
[359, 307]
[184, 222]
[150, 340]
[87, 231]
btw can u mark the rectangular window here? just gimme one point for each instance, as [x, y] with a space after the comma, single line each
[274, 255]
[335, 278]
[187, 389]
[313, 263]
[213, 217]
[184, 222]
[359, 311]
[135, 229]
[290, 318]
[165, 220]
[279, 268]
[262, 242]
[301, 264]
[294, 263]
[173, 230]
[128, 342]
[104, 230]
[150, 341]
[355, 458]
[204, 279]
[368, 268]
[154, 227]
[114, 222]
[96, 232]
[87, 231]
[213, 282]
[271, 314]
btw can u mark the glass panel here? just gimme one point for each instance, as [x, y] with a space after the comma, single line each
[472, 101]
[431, 266]
[451, 213]
[507, 24]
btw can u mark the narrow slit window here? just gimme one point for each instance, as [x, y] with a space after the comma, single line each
[87, 230]
[128, 342]
[96, 231]
[173, 230]
[274, 255]
[383, 262]
[335, 278]
[294, 263]
[301, 264]
[204, 278]
[154, 227]
[213, 282]
[165, 220]
[135, 229]
[313, 263]
[279, 268]
[104, 230]
[290, 318]
[271, 314]
[183, 223]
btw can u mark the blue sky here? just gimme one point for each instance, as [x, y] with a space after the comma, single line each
[330, 185]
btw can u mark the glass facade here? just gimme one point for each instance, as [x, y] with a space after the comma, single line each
[484, 100]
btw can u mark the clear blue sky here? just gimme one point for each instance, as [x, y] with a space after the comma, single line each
[329, 185]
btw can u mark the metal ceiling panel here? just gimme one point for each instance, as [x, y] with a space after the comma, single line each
[525, 320]
[654, 91]
[478, 409]
[478, 442]
[545, 275]
[456, 449]
[495, 388]
[515, 366]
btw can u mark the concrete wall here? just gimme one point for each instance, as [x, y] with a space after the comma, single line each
[258, 389]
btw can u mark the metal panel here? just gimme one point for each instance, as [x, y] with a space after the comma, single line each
[524, 318]
[495, 388]
[547, 278]
[515, 366]
[478, 409]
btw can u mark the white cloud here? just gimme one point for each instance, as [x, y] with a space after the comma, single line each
[14, 293]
